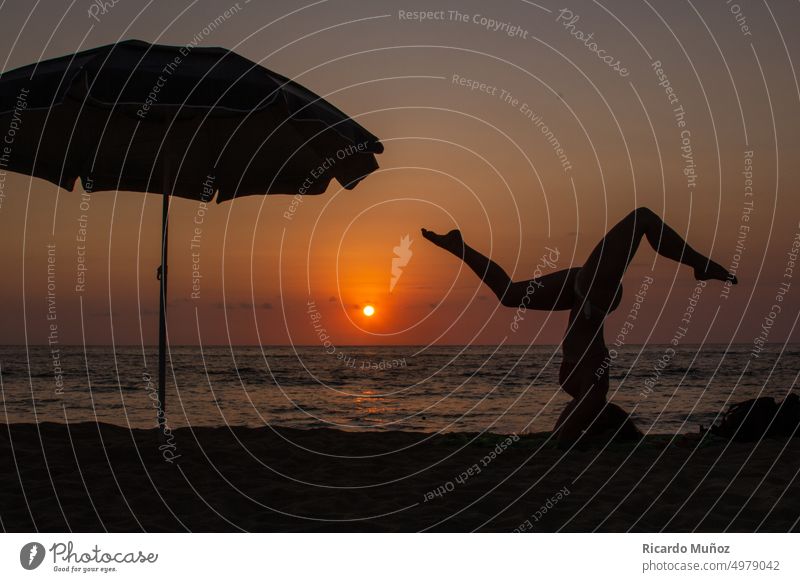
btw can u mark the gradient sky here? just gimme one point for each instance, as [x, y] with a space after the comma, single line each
[454, 157]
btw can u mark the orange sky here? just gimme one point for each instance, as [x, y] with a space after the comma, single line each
[454, 156]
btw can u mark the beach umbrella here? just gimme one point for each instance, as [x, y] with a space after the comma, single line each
[199, 123]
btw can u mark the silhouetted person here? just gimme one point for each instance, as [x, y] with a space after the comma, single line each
[589, 293]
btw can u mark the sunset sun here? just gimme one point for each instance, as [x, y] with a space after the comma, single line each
[369, 310]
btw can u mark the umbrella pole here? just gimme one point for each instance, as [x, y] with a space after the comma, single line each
[162, 312]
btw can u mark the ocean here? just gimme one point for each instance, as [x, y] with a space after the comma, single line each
[511, 389]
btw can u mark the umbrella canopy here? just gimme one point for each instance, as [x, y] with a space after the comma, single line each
[120, 117]
[182, 121]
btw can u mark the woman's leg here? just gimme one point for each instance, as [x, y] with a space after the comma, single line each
[589, 391]
[549, 292]
[599, 280]
[602, 273]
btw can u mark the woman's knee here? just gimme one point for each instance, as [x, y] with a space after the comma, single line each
[507, 300]
[644, 215]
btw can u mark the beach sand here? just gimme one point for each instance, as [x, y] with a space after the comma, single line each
[99, 477]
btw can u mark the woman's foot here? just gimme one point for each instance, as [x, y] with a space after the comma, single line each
[708, 269]
[451, 241]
